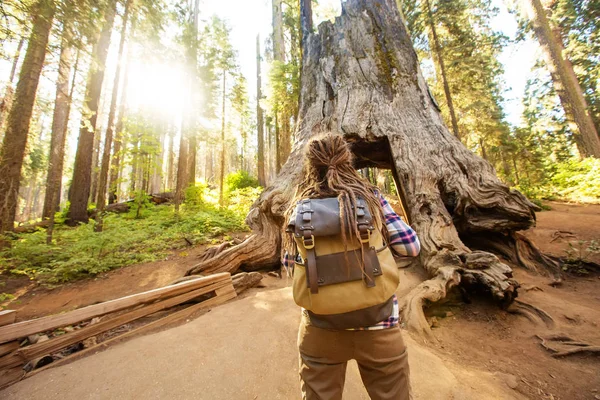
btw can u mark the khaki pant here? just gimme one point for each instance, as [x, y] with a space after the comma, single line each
[381, 357]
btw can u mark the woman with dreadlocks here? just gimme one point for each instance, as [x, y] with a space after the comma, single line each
[341, 232]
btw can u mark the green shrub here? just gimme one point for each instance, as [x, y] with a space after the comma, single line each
[578, 180]
[241, 200]
[239, 180]
[78, 252]
[194, 194]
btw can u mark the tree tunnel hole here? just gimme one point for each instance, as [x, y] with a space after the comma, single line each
[373, 159]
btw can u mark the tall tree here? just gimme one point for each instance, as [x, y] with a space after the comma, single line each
[565, 80]
[185, 160]
[116, 165]
[79, 192]
[439, 60]
[108, 138]
[222, 167]
[192, 64]
[6, 102]
[260, 156]
[15, 139]
[279, 58]
[60, 123]
[457, 36]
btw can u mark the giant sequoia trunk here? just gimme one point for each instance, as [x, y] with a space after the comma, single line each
[361, 78]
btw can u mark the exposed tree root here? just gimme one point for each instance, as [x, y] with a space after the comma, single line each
[518, 249]
[432, 290]
[214, 251]
[477, 269]
[564, 345]
[254, 251]
[532, 313]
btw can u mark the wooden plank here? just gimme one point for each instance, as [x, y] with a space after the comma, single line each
[55, 344]
[8, 347]
[25, 328]
[11, 360]
[7, 317]
[176, 316]
[10, 376]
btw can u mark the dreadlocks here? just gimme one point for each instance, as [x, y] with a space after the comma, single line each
[329, 172]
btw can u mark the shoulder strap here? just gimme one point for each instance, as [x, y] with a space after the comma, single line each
[364, 228]
[308, 240]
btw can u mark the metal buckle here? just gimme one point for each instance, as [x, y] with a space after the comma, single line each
[363, 241]
[309, 246]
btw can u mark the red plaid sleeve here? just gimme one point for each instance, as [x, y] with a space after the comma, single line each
[402, 238]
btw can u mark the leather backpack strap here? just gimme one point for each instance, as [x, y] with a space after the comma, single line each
[308, 240]
[364, 228]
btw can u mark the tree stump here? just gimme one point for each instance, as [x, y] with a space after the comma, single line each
[361, 78]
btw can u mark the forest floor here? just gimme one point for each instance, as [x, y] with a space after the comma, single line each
[246, 348]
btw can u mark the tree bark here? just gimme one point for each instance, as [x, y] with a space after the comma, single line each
[260, 151]
[192, 64]
[60, 121]
[171, 161]
[6, 103]
[565, 81]
[222, 169]
[361, 78]
[108, 138]
[182, 166]
[278, 38]
[115, 168]
[439, 58]
[14, 142]
[82, 171]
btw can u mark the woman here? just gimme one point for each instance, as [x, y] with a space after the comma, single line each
[378, 349]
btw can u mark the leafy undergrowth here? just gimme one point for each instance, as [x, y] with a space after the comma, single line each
[79, 252]
[575, 181]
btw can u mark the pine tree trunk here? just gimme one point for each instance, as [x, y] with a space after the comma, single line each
[278, 38]
[95, 157]
[171, 161]
[14, 142]
[439, 58]
[360, 78]
[222, 169]
[116, 167]
[108, 138]
[260, 151]
[6, 102]
[277, 145]
[182, 173]
[565, 81]
[82, 171]
[60, 122]
[192, 61]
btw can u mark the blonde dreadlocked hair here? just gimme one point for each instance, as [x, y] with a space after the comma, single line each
[329, 172]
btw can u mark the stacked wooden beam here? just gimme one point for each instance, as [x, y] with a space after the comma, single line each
[210, 290]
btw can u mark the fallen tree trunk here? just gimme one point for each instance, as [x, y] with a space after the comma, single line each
[361, 78]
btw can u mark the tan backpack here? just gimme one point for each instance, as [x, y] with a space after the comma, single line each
[330, 283]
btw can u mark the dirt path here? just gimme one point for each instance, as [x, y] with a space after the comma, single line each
[245, 349]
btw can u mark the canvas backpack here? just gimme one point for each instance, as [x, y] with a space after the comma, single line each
[327, 281]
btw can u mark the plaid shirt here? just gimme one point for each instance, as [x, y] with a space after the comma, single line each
[403, 240]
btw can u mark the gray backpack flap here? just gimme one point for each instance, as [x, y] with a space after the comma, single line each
[322, 217]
